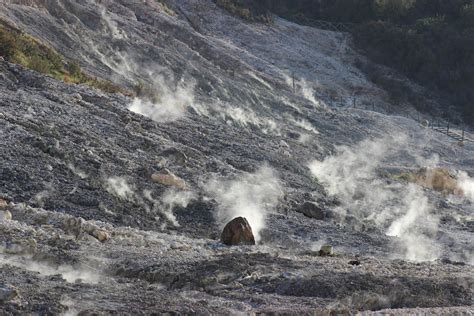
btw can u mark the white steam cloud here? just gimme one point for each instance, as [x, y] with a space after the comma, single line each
[169, 200]
[403, 211]
[165, 205]
[251, 196]
[466, 183]
[119, 187]
[69, 273]
[171, 103]
[165, 100]
[302, 88]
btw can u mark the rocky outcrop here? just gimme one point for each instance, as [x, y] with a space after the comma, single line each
[313, 210]
[78, 226]
[238, 232]
[166, 177]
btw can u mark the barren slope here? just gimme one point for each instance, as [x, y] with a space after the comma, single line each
[253, 147]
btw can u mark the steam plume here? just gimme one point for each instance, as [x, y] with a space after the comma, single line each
[402, 211]
[251, 196]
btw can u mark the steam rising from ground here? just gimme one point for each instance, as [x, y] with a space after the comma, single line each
[169, 200]
[402, 211]
[170, 107]
[165, 205]
[166, 99]
[467, 185]
[251, 196]
[119, 187]
[68, 273]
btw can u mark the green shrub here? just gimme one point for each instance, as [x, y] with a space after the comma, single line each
[245, 9]
[20, 48]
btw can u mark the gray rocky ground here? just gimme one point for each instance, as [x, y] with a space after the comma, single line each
[92, 231]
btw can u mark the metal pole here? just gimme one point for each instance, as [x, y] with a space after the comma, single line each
[462, 135]
[447, 130]
[294, 86]
[353, 102]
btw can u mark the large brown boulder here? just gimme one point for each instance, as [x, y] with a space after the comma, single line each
[238, 232]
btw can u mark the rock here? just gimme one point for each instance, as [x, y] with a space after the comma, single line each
[311, 209]
[8, 293]
[73, 225]
[3, 204]
[294, 135]
[238, 232]
[76, 97]
[166, 177]
[326, 250]
[76, 226]
[100, 234]
[284, 144]
[5, 215]
[355, 261]
[175, 155]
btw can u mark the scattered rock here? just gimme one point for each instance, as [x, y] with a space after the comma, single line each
[166, 177]
[238, 232]
[455, 263]
[8, 293]
[311, 209]
[326, 250]
[355, 262]
[76, 97]
[284, 144]
[175, 155]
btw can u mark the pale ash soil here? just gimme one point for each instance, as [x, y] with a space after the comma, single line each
[62, 143]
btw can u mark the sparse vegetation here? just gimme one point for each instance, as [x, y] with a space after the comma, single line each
[429, 41]
[246, 10]
[166, 8]
[20, 48]
[438, 179]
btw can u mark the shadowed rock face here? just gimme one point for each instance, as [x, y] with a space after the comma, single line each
[238, 232]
